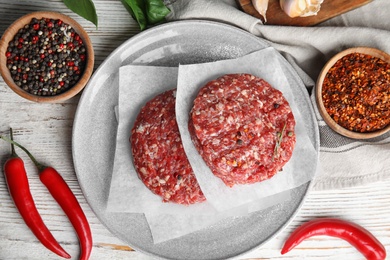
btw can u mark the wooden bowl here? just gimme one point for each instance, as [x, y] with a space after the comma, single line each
[21, 22]
[318, 93]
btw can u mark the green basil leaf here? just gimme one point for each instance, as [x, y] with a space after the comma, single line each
[137, 10]
[156, 11]
[84, 8]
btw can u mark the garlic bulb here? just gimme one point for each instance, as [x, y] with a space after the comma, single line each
[261, 6]
[302, 8]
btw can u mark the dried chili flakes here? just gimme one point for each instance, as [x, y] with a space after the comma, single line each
[356, 92]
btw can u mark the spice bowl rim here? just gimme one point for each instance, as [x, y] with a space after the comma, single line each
[9, 34]
[318, 93]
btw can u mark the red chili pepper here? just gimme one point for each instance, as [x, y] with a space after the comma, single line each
[69, 204]
[64, 196]
[356, 235]
[19, 189]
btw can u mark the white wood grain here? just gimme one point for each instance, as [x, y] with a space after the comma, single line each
[46, 130]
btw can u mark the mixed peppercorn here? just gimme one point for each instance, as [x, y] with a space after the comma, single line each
[356, 92]
[46, 57]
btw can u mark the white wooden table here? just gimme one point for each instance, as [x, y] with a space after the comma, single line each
[46, 130]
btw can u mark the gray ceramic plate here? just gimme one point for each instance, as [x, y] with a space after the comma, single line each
[95, 130]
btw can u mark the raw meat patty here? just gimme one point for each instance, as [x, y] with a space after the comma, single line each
[243, 128]
[158, 153]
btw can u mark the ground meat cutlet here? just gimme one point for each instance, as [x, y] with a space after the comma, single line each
[158, 153]
[243, 128]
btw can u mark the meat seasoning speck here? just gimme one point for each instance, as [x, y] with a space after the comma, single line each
[356, 92]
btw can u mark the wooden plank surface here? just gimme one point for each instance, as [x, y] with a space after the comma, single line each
[276, 16]
[46, 129]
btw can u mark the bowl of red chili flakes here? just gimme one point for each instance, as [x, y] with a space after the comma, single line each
[46, 57]
[353, 93]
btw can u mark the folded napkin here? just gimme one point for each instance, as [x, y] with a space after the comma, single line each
[344, 162]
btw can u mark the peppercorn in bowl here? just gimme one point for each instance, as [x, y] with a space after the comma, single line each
[353, 93]
[46, 57]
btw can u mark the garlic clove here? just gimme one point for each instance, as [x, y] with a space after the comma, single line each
[261, 6]
[300, 8]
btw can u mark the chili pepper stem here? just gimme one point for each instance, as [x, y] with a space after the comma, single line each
[13, 153]
[40, 166]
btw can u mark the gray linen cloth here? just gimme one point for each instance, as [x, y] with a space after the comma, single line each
[343, 162]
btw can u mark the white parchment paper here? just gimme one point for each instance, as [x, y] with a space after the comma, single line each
[301, 167]
[137, 85]
[168, 226]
